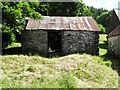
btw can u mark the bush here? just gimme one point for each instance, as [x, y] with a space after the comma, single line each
[7, 38]
[103, 30]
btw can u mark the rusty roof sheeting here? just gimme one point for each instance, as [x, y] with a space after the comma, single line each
[63, 23]
[115, 32]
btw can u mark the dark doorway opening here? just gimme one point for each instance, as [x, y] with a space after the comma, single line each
[54, 41]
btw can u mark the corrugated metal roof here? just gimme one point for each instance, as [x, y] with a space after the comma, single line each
[63, 23]
[115, 32]
[117, 11]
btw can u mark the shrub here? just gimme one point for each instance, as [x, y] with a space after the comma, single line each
[103, 30]
[7, 36]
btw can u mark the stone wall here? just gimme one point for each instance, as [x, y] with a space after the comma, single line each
[35, 41]
[80, 41]
[114, 45]
[71, 42]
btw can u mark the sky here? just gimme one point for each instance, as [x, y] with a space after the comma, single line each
[106, 4]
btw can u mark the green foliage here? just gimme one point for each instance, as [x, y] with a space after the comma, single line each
[94, 12]
[104, 18]
[40, 7]
[82, 9]
[101, 16]
[68, 81]
[67, 9]
[31, 68]
[14, 45]
[6, 39]
[7, 36]
[102, 44]
[103, 30]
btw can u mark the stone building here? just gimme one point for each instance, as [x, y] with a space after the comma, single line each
[114, 42]
[114, 21]
[65, 35]
[114, 33]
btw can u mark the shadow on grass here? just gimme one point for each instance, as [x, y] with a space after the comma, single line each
[18, 51]
[115, 61]
[103, 45]
[12, 51]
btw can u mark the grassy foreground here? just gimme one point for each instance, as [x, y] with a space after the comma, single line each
[72, 71]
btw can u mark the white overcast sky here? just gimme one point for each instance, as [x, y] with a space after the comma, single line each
[106, 4]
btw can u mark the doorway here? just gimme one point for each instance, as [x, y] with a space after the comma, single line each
[54, 41]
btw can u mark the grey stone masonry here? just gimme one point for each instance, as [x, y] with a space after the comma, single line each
[114, 45]
[35, 41]
[80, 41]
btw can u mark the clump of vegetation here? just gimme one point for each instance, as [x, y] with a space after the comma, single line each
[103, 30]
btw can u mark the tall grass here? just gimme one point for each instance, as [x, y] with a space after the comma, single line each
[72, 71]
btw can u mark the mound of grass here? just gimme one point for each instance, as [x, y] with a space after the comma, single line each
[72, 71]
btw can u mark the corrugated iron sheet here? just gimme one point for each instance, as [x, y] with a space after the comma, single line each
[63, 23]
[115, 32]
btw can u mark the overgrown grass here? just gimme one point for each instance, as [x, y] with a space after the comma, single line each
[71, 71]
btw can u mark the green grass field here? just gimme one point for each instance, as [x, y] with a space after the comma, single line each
[71, 71]
[102, 44]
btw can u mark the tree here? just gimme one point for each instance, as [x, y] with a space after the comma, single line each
[95, 12]
[104, 18]
[82, 9]
[67, 9]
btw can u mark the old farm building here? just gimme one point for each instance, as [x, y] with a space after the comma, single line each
[62, 34]
[114, 21]
[114, 42]
[114, 35]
